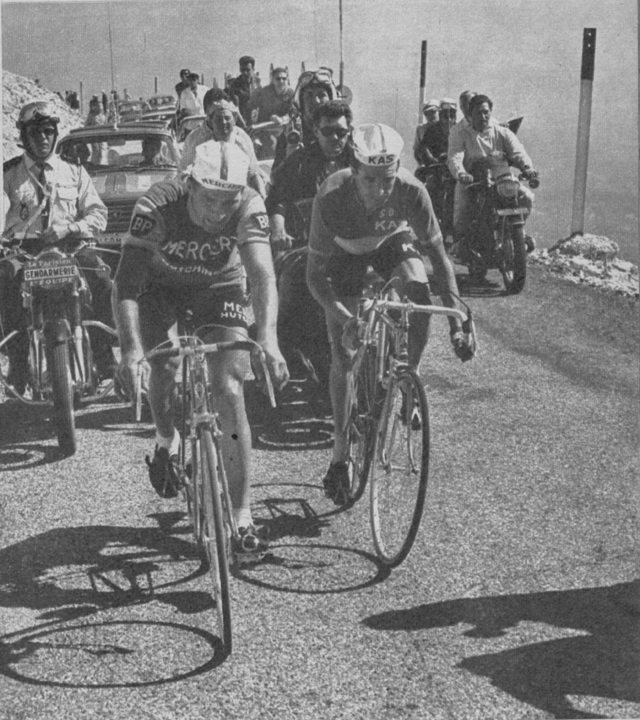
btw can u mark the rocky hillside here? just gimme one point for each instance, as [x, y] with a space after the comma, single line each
[18, 91]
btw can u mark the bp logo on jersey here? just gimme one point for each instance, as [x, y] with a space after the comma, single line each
[141, 225]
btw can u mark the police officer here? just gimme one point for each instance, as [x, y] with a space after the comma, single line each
[46, 200]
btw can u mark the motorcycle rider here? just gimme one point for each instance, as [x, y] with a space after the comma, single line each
[49, 199]
[373, 213]
[302, 173]
[187, 245]
[483, 139]
[430, 112]
[314, 88]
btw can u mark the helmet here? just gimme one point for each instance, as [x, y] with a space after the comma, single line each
[220, 166]
[323, 77]
[377, 145]
[37, 112]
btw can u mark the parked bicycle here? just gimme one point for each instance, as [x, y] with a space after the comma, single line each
[388, 425]
[203, 480]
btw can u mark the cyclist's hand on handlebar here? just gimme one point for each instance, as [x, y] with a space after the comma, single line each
[352, 334]
[277, 365]
[530, 174]
[461, 346]
[465, 178]
[128, 371]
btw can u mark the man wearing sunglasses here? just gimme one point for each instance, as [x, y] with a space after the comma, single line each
[314, 88]
[47, 200]
[302, 173]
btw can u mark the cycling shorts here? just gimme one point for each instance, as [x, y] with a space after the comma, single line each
[347, 272]
[161, 306]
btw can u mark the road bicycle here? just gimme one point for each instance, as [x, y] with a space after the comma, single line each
[388, 421]
[203, 479]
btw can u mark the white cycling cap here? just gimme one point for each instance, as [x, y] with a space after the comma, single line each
[431, 105]
[377, 144]
[449, 102]
[220, 166]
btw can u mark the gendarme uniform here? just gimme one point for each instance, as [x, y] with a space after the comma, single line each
[67, 195]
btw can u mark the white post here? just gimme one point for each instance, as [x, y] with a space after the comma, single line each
[584, 128]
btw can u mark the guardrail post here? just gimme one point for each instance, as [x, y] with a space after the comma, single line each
[584, 127]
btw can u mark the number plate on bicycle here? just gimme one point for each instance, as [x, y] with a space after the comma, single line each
[52, 271]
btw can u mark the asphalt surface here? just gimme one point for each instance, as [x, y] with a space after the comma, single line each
[517, 601]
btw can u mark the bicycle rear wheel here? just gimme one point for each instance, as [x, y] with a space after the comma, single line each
[214, 534]
[400, 468]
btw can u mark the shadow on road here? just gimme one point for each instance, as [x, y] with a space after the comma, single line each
[72, 574]
[301, 420]
[603, 663]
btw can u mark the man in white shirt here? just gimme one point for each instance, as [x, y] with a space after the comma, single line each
[191, 100]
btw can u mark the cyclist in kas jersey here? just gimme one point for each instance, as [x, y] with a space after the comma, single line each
[188, 240]
[372, 214]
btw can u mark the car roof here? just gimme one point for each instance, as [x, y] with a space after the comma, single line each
[141, 127]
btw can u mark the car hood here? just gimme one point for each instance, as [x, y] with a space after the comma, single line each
[120, 185]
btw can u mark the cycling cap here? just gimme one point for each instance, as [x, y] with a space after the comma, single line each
[450, 102]
[431, 105]
[37, 112]
[220, 166]
[377, 144]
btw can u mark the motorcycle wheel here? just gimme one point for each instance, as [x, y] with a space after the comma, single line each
[62, 391]
[514, 260]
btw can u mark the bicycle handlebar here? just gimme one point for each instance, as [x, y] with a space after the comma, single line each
[204, 349]
[384, 304]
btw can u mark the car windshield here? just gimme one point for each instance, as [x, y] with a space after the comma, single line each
[188, 125]
[130, 107]
[110, 152]
[162, 100]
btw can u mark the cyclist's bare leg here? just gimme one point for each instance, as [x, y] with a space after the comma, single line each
[414, 270]
[339, 378]
[227, 372]
[161, 394]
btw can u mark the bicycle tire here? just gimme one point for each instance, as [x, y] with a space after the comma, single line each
[215, 535]
[400, 468]
[62, 392]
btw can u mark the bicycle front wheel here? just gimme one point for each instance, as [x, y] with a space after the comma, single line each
[214, 535]
[400, 468]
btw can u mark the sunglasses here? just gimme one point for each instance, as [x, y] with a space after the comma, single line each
[282, 78]
[47, 131]
[339, 132]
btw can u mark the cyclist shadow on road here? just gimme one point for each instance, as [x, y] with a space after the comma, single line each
[301, 421]
[603, 662]
[72, 572]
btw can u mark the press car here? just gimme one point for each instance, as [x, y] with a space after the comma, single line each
[123, 162]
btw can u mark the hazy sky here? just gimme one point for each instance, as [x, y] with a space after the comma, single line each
[525, 54]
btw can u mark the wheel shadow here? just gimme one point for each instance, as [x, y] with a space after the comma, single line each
[603, 662]
[71, 575]
[301, 420]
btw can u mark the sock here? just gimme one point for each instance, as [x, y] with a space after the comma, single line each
[243, 517]
[172, 444]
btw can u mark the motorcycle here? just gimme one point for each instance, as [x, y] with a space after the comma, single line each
[302, 330]
[62, 374]
[497, 238]
[440, 185]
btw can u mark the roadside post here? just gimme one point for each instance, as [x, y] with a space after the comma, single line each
[584, 128]
[423, 79]
[81, 99]
[155, 86]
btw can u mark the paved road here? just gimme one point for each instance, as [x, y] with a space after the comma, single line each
[516, 602]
